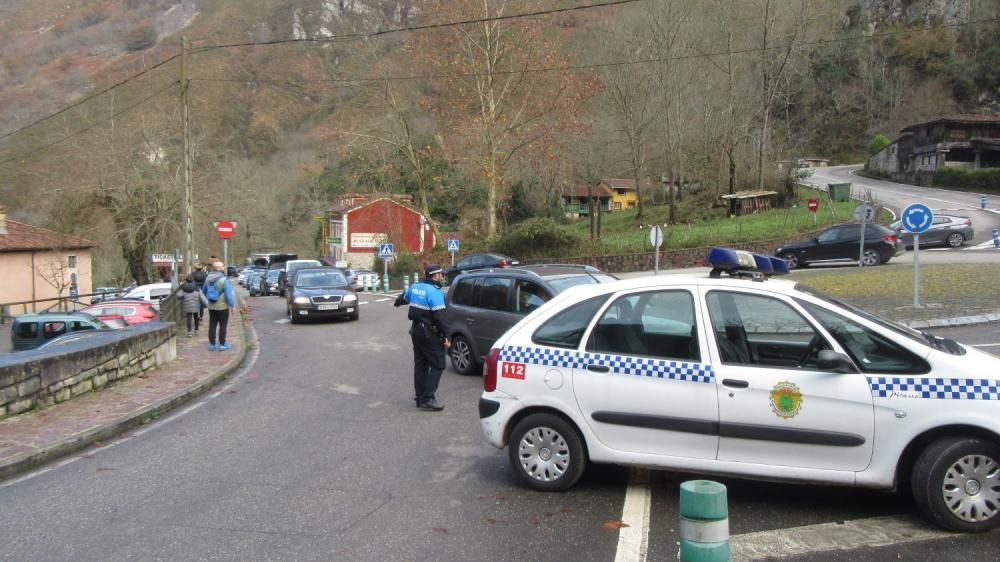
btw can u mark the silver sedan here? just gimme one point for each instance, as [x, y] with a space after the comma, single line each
[947, 230]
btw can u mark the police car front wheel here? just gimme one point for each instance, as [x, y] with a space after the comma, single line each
[956, 483]
[547, 453]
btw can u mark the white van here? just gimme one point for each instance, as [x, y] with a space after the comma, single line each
[154, 292]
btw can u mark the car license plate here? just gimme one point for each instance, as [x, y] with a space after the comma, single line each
[327, 306]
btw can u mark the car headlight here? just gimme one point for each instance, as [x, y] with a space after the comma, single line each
[350, 298]
[301, 300]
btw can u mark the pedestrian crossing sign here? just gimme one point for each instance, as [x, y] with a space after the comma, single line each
[385, 251]
[452, 245]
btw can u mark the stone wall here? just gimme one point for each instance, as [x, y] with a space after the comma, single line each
[41, 378]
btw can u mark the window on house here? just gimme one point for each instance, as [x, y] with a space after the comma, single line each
[72, 261]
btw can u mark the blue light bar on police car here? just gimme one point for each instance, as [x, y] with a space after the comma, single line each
[742, 262]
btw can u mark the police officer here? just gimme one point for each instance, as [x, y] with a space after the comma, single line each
[428, 333]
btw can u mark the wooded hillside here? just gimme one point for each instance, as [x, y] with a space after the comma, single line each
[482, 112]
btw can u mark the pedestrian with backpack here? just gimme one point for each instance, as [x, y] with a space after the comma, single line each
[221, 301]
[199, 275]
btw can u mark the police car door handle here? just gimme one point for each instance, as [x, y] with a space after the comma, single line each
[470, 321]
[734, 383]
[598, 368]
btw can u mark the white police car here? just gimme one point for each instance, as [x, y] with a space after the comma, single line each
[738, 374]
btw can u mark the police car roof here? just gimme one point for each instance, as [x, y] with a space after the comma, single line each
[674, 280]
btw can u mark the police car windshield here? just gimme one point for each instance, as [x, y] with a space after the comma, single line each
[897, 328]
[560, 284]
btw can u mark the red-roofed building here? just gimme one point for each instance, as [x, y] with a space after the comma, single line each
[41, 264]
[360, 223]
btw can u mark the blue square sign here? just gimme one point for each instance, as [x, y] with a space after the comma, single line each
[385, 250]
[452, 245]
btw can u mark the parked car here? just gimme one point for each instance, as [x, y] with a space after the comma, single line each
[269, 282]
[291, 266]
[747, 377]
[132, 311]
[29, 331]
[154, 292]
[842, 243]
[355, 276]
[478, 261]
[71, 338]
[253, 282]
[947, 230]
[320, 292]
[482, 305]
[104, 293]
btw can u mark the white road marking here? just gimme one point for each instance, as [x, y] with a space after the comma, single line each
[286, 320]
[383, 300]
[846, 535]
[633, 540]
[988, 245]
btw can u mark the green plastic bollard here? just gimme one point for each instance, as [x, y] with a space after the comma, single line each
[385, 285]
[416, 277]
[704, 527]
[406, 282]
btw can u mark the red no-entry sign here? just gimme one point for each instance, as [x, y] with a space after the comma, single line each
[813, 205]
[225, 229]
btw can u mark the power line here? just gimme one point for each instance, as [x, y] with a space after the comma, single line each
[90, 97]
[91, 126]
[604, 64]
[354, 36]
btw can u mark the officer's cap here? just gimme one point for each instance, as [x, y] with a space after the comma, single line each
[432, 269]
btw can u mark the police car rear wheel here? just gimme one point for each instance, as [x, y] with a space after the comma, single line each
[461, 355]
[547, 453]
[956, 483]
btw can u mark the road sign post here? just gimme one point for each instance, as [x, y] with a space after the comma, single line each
[916, 218]
[656, 239]
[225, 230]
[385, 252]
[453, 249]
[863, 213]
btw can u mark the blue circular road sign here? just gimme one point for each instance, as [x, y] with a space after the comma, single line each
[917, 218]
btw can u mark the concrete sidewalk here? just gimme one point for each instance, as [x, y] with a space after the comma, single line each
[31, 439]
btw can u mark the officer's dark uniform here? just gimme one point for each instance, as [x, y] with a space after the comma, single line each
[428, 332]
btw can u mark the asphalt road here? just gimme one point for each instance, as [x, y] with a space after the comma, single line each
[315, 451]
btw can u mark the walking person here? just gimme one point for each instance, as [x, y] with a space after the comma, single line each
[221, 301]
[199, 275]
[192, 302]
[428, 332]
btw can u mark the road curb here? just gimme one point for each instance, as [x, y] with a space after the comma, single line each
[34, 459]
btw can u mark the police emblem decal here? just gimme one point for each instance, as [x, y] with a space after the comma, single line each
[786, 400]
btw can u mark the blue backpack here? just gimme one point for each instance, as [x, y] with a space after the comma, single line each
[212, 290]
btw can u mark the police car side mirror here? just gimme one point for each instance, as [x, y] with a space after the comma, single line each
[829, 360]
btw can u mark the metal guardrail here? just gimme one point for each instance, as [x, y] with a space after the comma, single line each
[59, 304]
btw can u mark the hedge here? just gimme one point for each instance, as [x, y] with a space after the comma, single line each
[983, 179]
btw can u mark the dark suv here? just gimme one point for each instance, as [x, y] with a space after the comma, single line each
[843, 243]
[482, 305]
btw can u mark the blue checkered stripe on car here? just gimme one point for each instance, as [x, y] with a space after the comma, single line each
[945, 389]
[622, 364]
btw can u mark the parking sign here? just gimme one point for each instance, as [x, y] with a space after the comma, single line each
[385, 251]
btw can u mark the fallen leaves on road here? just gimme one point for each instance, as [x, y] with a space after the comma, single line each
[614, 524]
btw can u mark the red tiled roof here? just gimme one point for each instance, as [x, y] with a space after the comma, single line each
[969, 119]
[620, 184]
[22, 237]
[581, 191]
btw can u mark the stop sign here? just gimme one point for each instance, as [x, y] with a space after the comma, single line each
[225, 229]
[813, 205]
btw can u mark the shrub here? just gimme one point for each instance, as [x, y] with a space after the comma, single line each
[537, 236]
[984, 179]
[878, 143]
[142, 36]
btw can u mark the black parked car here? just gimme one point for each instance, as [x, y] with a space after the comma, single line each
[482, 305]
[478, 261]
[843, 243]
[320, 292]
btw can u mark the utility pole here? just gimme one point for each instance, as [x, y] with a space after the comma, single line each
[188, 212]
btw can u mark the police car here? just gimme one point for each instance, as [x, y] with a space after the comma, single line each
[739, 373]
